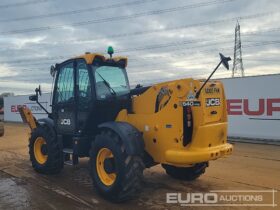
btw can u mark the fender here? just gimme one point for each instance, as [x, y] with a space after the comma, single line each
[50, 124]
[130, 136]
[47, 121]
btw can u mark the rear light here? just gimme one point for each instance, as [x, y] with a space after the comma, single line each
[188, 125]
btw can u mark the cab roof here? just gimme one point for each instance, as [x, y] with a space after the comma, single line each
[89, 58]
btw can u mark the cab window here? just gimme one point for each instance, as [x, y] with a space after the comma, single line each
[84, 90]
[65, 84]
[110, 80]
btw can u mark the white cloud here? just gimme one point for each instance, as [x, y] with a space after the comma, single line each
[6, 71]
[154, 64]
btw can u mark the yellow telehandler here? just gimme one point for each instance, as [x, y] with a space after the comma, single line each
[180, 124]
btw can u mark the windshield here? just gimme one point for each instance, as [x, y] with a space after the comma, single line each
[110, 80]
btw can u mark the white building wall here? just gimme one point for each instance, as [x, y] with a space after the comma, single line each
[12, 103]
[254, 106]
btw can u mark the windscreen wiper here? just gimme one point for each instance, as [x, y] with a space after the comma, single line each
[113, 92]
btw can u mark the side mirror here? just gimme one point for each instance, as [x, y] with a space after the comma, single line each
[225, 61]
[52, 70]
[38, 90]
[33, 98]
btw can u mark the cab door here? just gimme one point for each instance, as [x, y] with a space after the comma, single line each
[84, 95]
[64, 101]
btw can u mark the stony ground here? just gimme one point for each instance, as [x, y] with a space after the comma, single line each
[251, 167]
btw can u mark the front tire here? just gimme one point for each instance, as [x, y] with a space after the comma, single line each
[186, 173]
[45, 153]
[116, 175]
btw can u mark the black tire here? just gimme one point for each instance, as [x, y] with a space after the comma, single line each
[186, 173]
[128, 169]
[54, 162]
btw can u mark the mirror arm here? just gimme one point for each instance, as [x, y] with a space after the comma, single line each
[198, 92]
[37, 101]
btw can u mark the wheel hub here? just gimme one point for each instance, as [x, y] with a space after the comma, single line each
[109, 165]
[105, 166]
[40, 150]
[44, 149]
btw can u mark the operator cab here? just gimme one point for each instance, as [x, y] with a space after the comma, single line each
[89, 90]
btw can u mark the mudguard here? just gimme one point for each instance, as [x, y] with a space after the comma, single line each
[131, 137]
[49, 122]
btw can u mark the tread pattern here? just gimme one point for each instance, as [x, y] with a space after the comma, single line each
[54, 162]
[188, 174]
[129, 186]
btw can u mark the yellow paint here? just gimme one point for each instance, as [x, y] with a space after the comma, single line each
[89, 58]
[27, 117]
[106, 179]
[165, 143]
[37, 147]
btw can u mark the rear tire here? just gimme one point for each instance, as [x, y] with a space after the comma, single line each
[50, 159]
[126, 173]
[186, 173]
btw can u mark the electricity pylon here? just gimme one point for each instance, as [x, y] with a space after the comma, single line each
[237, 67]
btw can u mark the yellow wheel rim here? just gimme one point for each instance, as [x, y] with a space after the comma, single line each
[106, 179]
[39, 156]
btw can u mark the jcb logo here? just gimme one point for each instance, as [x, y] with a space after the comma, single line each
[213, 102]
[65, 122]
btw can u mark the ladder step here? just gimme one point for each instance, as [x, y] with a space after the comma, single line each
[68, 151]
[68, 162]
[69, 157]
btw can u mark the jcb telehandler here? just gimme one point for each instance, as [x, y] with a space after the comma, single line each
[180, 124]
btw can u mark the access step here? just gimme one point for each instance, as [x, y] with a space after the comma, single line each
[69, 157]
[68, 151]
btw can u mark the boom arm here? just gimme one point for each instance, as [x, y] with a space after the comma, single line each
[27, 117]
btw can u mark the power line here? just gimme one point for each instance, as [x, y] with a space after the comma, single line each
[25, 3]
[118, 18]
[172, 44]
[125, 50]
[211, 50]
[217, 50]
[176, 28]
[203, 51]
[138, 33]
[182, 42]
[207, 23]
[261, 60]
[164, 45]
[182, 27]
[155, 70]
[74, 12]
